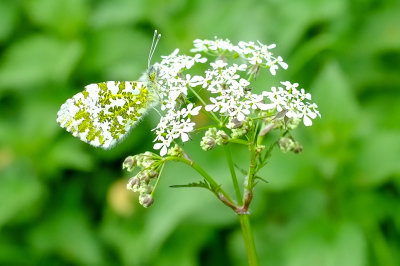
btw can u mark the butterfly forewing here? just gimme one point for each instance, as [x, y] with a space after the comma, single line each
[105, 112]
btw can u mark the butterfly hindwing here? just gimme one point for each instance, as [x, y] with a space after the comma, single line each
[105, 112]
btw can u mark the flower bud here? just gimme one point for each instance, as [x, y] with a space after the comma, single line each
[175, 151]
[293, 123]
[144, 176]
[297, 147]
[222, 137]
[239, 132]
[146, 160]
[129, 163]
[259, 148]
[234, 123]
[145, 188]
[146, 200]
[153, 174]
[286, 144]
[133, 184]
[207, 143]
[211, 132]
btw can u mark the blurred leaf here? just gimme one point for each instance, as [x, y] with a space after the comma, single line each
[37, 119]
[335, 98]
[117, 13]
[187, 250]
[299, 19]
[8, 18]
[379, 31]
[64, 16]
[68, 153]
[13, 253]
[126, 238]
[277, 172]
[384, 145]
[18, 179]
[340, 118]
[68, 234]
[118, 54]
[36, 60]
[347, 247]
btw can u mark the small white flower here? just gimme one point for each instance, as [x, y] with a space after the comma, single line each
[162, 146]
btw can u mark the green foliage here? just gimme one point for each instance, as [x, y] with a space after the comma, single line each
[64, 202]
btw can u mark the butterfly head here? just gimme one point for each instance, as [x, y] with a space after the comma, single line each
[152, 73]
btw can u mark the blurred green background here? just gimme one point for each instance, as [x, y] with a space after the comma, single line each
[63, 202]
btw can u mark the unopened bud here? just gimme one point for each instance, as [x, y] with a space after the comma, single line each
[144, 175]
[286, 144]
[222, 137]
[207, 143]
[129, 163]
[234, 123]
[211, 132]
[175, 151]
[297, 148]
[146, 200]
[259, 148]
[133, 184]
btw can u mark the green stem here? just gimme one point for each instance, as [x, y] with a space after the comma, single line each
[248, 239]
[215, 186]
[239, 141]
[252, 170]
[233, 175]
[158, 178]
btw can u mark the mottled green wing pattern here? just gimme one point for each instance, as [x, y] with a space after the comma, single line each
[105, 112]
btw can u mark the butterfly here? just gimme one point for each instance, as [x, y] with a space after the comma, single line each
[104, 113]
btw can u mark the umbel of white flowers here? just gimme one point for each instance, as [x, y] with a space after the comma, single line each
[228, 83]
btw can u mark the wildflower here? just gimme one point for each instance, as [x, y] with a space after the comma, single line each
[295, 102]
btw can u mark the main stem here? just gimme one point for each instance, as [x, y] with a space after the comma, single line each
[248, 239]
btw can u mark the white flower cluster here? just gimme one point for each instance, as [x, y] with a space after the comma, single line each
[258, 55]
[234, 98]
[230, 92]
[172, 85]
[175, 124]
[293, 102]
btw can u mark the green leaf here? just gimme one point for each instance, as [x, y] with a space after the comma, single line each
[262, 179]
[201, 184]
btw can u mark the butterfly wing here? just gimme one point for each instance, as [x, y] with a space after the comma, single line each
[105, 112]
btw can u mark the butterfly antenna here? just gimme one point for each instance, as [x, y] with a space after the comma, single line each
[156, 38]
